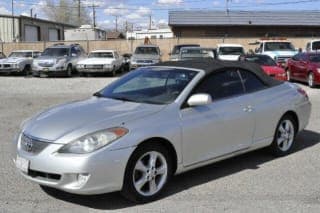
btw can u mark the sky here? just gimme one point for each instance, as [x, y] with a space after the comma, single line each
[137, 12]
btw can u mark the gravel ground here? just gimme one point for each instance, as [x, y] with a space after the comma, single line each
[254, 182]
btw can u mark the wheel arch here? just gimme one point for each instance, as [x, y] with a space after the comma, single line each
[294, 115]
[168, 145]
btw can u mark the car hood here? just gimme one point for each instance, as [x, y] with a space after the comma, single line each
[97, 61]
[272, 70]
[12, 60]
[84, 117]
[145, 57]
[47, 59]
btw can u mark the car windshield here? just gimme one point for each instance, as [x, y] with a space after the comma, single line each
[101, 55]
[147, 50]
[231, 51]
[176, 49]
[263, 60]
[56, 52]
[21, 54]
[280, 46]
[196, 53]
[149, 85]
[315, 58]
[316, 45]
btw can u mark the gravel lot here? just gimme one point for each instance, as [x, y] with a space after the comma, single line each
[255, 182]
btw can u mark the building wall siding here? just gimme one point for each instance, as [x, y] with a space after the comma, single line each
[6, 34]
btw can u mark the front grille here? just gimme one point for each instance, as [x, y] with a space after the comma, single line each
[32, 145]
[144, 61]
[49, 176]
[94, 66]
[283, 58]
[7, 65]
[44, 64]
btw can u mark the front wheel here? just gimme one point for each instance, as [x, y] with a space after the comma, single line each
[69, 71]
[284, 136]
[311, 80]
[147, 173]
[288, 73]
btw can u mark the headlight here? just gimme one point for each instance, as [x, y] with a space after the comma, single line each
[318, 69]
[61, 61]
[15, 65]
[94, 141]
[156, 61]
[107, 65]
[80, 65]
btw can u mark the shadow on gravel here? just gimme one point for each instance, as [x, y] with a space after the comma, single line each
[189, 179]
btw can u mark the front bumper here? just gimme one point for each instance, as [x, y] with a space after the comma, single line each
[94, 70]
[103, 169]
[4, 70]
[137, 65]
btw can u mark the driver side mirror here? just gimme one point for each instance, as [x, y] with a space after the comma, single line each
[73, 55]
[200, 99]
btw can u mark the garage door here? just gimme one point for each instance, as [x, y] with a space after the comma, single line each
[31, 33]
[53, 35]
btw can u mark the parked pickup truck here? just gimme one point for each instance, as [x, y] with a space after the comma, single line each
[279, 50]
[19, 61]
[313, 46]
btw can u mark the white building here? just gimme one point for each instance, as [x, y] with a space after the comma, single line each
[85, 32]
[152, 34]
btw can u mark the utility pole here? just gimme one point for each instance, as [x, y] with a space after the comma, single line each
[79, 12]
[13, 27]
[94, 15]
[150, 22]
[227, 6]
[116, 23]
[31, 14]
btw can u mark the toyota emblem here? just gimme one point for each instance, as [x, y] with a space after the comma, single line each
[28, 143]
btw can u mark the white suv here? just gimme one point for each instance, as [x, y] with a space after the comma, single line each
[230, 52]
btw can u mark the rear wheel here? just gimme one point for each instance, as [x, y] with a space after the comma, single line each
[311, 80]
[284, 136]
[147, 173]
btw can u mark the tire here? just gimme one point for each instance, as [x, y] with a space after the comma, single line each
[284, 136]
[69, 71]
[114, 72]
[145, 178]
[311, 80]
[27, 70]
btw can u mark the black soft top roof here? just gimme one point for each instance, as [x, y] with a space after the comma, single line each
[210, 66]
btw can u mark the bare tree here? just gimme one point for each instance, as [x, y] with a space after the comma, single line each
[67, 11]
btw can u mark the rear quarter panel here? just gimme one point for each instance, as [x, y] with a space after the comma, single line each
[269, 106]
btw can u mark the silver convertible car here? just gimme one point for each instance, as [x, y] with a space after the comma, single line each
[159, 121]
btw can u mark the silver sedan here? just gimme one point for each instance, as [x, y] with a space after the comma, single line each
[159, 121]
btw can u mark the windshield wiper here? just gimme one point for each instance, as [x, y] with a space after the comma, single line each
[123, 99]
[98, 94]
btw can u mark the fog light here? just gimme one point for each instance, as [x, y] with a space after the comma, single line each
[82, 179]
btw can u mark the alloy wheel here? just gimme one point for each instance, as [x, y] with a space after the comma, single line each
[150, 173]
[285, 135]
[311, 80]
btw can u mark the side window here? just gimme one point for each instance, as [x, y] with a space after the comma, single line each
[221, 85]
[251, 82]
[296, 57]
[73, 51]
[308, 46]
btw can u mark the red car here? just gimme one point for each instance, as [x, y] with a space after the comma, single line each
[268, 65]
[304, 67]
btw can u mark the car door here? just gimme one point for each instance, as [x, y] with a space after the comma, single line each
[294, 66]
[301, 67]
[224, 126]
